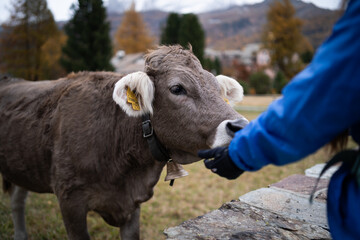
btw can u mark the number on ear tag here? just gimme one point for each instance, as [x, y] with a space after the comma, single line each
[132, 99]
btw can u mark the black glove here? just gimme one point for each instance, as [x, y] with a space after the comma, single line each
[219, 161]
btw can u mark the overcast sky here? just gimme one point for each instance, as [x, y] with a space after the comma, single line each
[61, 8]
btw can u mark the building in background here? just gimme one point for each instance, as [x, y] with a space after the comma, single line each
[128, 63]
[251, 55]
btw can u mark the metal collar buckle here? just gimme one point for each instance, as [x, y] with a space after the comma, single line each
[147, 129]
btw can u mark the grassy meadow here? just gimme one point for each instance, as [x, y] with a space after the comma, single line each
[194, 195]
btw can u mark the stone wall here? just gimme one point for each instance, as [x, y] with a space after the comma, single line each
[281, 211]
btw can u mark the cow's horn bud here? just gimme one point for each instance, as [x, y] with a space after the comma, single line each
[174, 171]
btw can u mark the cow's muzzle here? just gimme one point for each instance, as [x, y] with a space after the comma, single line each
[226, 131]
[233, 126]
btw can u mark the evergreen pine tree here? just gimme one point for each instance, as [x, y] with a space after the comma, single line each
[88, 46]
[191, 32]
[185, 30]
[22, 39]
[169, 34]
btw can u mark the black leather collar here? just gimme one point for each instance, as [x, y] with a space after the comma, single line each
[158, 150]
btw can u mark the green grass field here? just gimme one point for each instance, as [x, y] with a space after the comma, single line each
[194, 195]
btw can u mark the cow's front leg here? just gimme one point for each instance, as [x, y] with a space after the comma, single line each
[18, 198]
[74, 212]
[130, 229]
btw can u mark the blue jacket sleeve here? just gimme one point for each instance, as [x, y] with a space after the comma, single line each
[318, 104]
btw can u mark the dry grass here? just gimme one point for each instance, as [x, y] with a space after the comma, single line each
[194, 195]
[202, 191]
[261, 100]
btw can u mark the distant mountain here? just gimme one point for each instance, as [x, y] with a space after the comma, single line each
[235, 26]
[184, 6]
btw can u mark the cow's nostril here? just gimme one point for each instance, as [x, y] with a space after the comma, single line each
[233, 126]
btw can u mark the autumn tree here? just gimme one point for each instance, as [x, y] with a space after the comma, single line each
[88, 45]
[51, 54]
[282, 35]
[132, 35]
[23, 37]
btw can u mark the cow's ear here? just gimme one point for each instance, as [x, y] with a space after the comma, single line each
[231, 90]
[134, 93]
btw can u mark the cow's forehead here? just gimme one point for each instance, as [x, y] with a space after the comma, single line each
[165, 58]
[194, 77]
[179, 64]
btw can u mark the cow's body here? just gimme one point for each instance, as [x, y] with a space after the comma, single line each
[56, 138]
[71, 138]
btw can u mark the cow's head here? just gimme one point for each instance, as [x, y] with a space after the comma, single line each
[190, 108]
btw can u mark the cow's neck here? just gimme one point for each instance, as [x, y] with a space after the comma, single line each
[157, 149]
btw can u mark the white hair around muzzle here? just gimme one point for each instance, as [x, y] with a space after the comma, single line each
[222, 136]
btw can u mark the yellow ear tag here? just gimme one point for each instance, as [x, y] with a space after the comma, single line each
[132, 99]
[226, 100]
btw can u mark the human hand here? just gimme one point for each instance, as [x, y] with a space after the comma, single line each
[219, 162]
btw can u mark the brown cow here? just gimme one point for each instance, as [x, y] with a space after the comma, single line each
[81, 137]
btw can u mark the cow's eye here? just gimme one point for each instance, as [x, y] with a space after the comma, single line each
[178, 90]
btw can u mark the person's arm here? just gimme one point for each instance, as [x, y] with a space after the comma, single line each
[318, 104]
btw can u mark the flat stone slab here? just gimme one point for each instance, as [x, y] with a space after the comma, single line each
[289, 205]
[316, 170]
[282, 211]
[301, 184]
[239, 220]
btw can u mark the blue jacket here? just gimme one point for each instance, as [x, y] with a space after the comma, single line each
[318, 104]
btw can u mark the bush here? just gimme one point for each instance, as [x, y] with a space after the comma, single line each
[213, 66]
[260, 82]
[245, 86]
[279, 81]
[306, 56]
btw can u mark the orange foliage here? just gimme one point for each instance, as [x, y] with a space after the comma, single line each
[132, 35]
